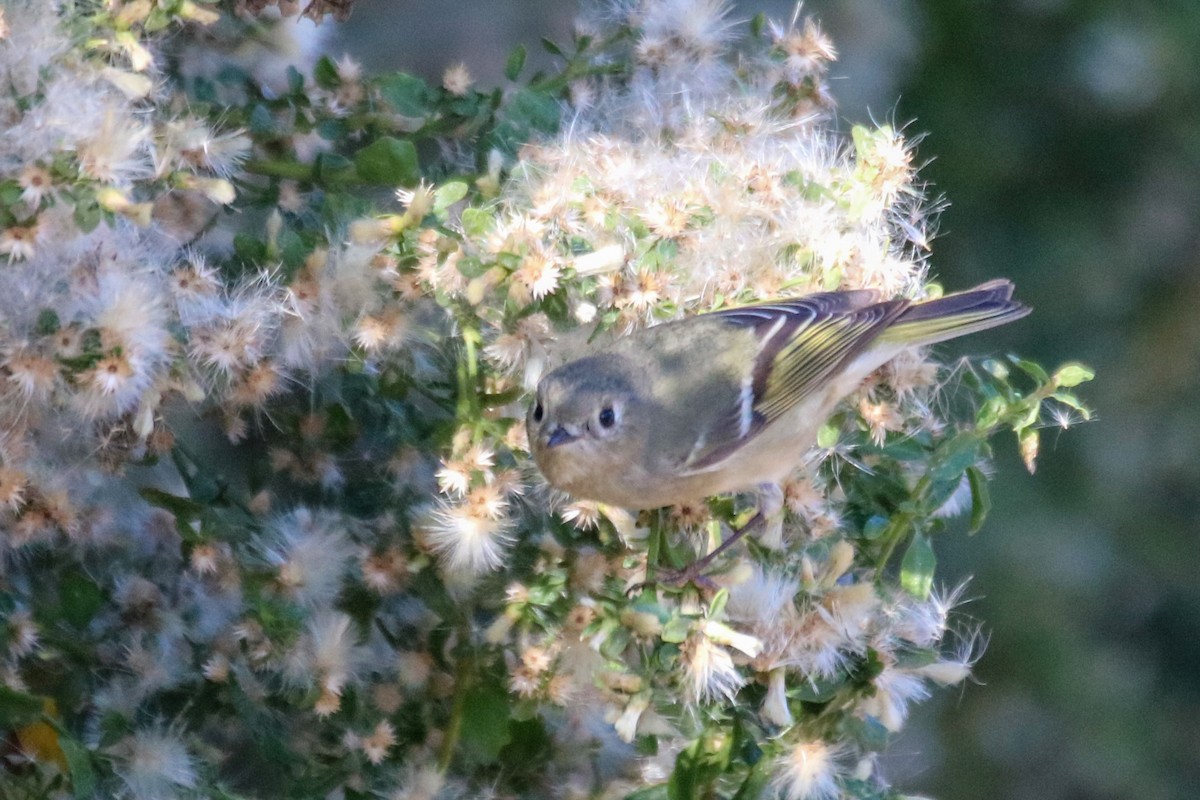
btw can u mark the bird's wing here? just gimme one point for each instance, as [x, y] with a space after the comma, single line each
[801, 344]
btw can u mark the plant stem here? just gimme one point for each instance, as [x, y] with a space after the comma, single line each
[471, 338]
[901, 534]
[903, 524]
[462, 683]
[468, 377]
[290, 170]
[654, 548]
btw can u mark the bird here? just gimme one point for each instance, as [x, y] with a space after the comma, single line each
[729, 400]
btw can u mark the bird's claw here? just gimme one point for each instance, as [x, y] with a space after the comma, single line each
[694, 572]
[677, 579]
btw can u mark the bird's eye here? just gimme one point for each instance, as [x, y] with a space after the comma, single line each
[538, 412]
[607, 418]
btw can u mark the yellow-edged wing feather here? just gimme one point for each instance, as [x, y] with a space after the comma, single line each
[805, 342]
[801, 344]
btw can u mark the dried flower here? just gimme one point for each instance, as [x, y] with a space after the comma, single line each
[538, 274]
[36, 183]
[457, 79]
[808, 771]
[468, 538]
[156, 765]
[19, 242]
[709, 672]
[376, 745]
[13, 485]
[309, 554]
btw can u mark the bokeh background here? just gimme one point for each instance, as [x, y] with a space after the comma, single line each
[1065, 135]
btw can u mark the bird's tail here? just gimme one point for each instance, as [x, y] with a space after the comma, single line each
[986, 306]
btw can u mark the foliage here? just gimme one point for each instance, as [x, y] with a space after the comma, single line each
[270, 524]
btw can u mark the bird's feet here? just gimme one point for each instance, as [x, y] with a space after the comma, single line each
[694, 572]
[679, 578]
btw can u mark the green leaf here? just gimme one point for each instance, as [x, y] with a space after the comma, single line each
[683, 783]
[755, 784]
[907, 448]
[1030, 411]
[548, 589]
[10, 192]
[997, 369]
[447, 195]
[530, 745]
[293, 250]
[114, 726]
[698, 765]
[658, 791]
[861, 135]
[746, 746]
[325, 73]
[916, 658]
[991, 413]
[1070, 400]
[204, 91]
[406, 94]
[340, 426]
[874, 527]
[981, 501]
[818, 690]
[79, 765]
[938, 495]
[183, 508]
[388, 161]
[359, 602]
[868, 732]
[1030, 368]
[525, 115]
[1072, 374]
[47, 322]
[953, 456]
[261, 122]
[87, 215]
[476, 222]
[615, 643]
[331, 129]
[485, 729]
[472, 267]
[758, 24]
[676, 630]
[515, 62]
[249, 249]
[916, 570]
[432, 593]
[295, 81]
[865, 669]
[156, 20]
[18, 708]
[827, 436]
[716, 606]
[79, 598]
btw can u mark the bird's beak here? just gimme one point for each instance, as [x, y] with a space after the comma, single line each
[560, 435]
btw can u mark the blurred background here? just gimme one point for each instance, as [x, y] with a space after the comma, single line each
[1066, 136]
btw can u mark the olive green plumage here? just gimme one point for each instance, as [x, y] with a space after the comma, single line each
[732, 399]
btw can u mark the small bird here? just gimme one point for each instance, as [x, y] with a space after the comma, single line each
[730, 400]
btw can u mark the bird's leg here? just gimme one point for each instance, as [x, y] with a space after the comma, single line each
[694, 572]
[769, 505]
[770, 499]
